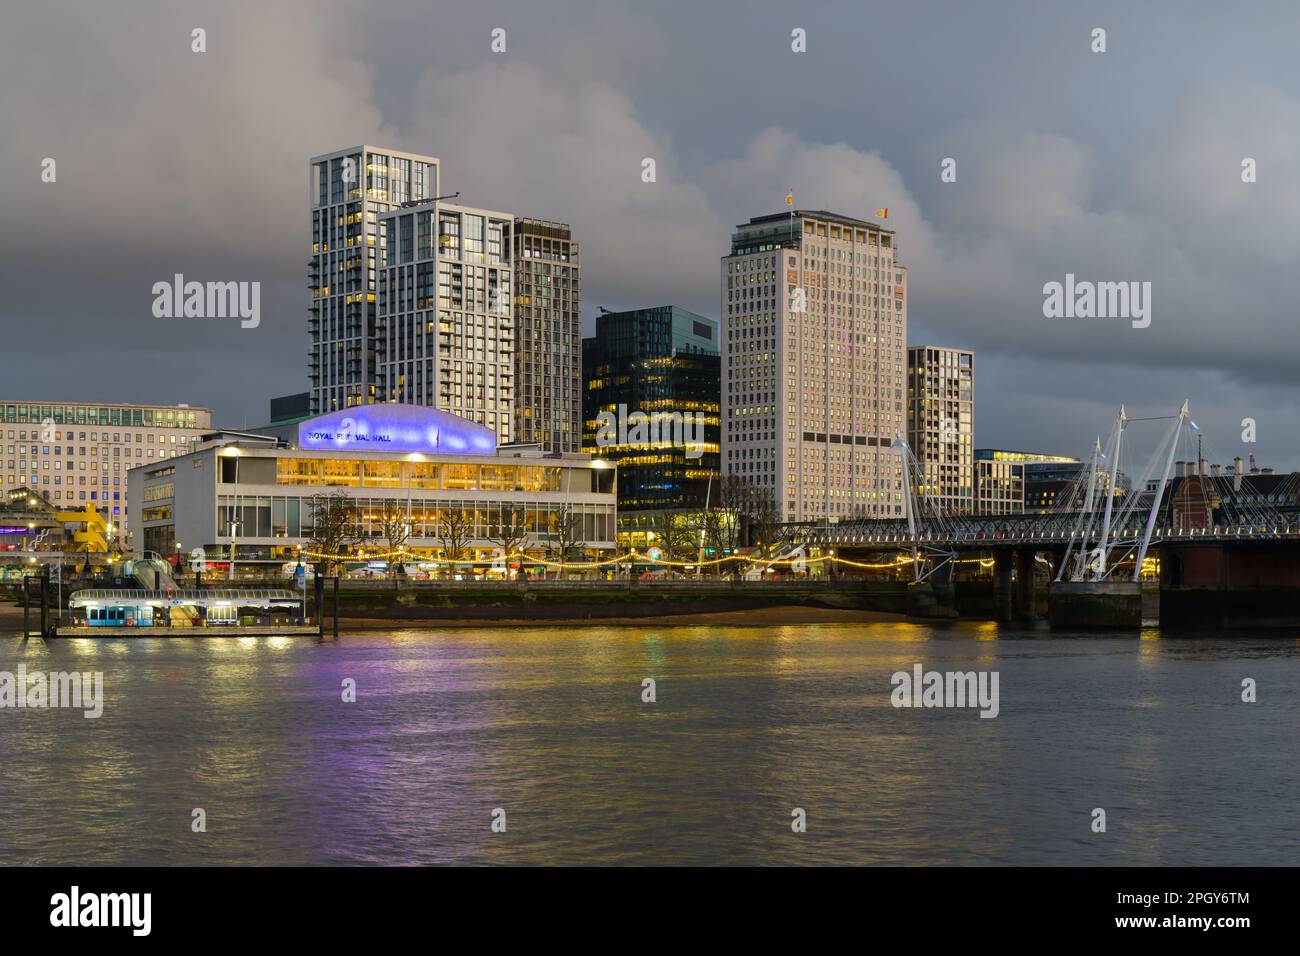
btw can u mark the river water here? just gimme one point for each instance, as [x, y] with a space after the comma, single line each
[549, 726]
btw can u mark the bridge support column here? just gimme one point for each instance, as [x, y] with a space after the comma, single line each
[945, 594]
[1002, 596]
[1095, 604]
[1023, 607]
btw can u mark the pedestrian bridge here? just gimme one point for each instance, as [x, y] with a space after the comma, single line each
[967, 532]
[1100, 525]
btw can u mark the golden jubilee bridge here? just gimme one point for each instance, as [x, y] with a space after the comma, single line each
[1219, 548]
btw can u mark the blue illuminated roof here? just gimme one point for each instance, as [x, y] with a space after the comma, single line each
[397, 429]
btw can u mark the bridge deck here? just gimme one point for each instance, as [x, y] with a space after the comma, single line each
[1048, 529]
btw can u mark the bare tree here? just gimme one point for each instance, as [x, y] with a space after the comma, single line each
[762, 517]
[677, 538]
[455, 529]
[395, 528]
[512, 533]
[566, 533]
[723, 523]
[336, 525]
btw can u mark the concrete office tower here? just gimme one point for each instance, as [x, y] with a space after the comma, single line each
[348, 190]
[548, 340]
[447, 313]
[941, 423]
[814, 309]
[76, 454]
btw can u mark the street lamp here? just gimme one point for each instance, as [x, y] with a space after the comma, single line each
[232, 451]
[411, 459]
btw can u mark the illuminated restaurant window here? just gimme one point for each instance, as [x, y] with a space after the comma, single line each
[297, 471]
[342, 472]
[499, 478]
[425, 474]
[461, 477]
[383, 474]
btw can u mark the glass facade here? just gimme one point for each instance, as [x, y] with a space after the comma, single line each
[433, 476]
[263, 500]
[663, 363]
[263, 516]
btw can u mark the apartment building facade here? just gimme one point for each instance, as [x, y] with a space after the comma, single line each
[446, 308]
[548, 336]
[348, 191]
[941, 423]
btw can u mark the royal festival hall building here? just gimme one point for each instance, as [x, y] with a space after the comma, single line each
[255, 491]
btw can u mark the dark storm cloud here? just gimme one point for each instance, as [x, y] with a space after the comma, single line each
[1116, 166]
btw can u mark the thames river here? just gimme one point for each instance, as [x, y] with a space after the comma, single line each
[546, 731]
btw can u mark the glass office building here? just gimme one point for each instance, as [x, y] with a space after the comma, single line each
[663, 363]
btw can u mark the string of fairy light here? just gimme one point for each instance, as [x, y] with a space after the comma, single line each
[635, 556]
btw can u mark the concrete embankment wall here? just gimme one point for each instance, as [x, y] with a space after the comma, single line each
[1207, 608]
[577, 600]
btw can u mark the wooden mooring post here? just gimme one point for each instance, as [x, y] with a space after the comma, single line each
[336, 605]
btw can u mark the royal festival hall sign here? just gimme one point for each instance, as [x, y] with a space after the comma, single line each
[396, 428]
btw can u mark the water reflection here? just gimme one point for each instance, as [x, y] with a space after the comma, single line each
[749, 723]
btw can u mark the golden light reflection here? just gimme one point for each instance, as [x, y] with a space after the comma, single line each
[1148, 646]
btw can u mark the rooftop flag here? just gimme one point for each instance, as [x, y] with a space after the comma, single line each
[883, 213]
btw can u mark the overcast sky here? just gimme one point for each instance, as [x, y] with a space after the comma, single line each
[1122, 165]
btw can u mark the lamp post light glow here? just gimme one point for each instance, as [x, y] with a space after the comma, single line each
[232, 451]
[411, 459]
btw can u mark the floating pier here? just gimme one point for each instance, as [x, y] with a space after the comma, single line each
[177, 612]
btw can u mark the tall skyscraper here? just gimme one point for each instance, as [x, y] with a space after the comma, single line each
[814, 309]
[348, 190]
[661, 363]
[446, 310]
[941, 423]
[548, 341]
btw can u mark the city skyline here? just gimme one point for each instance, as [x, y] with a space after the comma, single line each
[610, 433]
[1044, 187]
